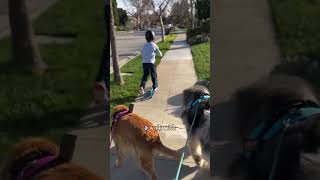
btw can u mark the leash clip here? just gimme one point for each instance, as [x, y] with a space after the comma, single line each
[286, 123]
[29, 164]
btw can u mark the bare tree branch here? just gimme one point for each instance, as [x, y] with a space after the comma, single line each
[162, 6]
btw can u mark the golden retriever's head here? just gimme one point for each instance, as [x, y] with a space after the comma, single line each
[25, 148]
[33, 145]
[119, 108]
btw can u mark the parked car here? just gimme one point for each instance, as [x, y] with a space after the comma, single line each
[168, 28]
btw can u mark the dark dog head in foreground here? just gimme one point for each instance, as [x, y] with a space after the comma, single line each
[259, 109]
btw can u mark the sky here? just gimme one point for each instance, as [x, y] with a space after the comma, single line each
[121, 4]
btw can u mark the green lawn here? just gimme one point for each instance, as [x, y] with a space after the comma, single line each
[201, 58]
[297, 23]
[51, 104]
[127, 93]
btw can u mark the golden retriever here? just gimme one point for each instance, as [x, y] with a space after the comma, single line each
[137, 136]
[38, 159]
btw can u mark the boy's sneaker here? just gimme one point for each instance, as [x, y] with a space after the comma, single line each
[141, 91]
[155, 89]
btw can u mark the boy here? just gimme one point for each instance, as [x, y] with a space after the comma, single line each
[149, 51]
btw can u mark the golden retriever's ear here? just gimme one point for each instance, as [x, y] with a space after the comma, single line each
[119, 108]
[34, 145]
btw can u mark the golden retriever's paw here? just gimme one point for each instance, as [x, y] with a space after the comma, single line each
[201, 163]
[204, 164]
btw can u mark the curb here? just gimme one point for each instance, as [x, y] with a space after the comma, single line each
[124, 62]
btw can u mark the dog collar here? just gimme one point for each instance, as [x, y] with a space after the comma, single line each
[295, 112]
[198, 100]
[289, 119]
[34, 166]
[117, 116]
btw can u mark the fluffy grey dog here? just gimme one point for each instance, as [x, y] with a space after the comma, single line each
[291, 153]
[197, 116]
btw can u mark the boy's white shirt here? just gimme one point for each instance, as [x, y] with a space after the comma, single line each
[149, 51]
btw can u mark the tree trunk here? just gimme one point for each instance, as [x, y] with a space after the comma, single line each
[192, 13]
[162, 28]
[25, 51]
[137, 23]
[115, 58]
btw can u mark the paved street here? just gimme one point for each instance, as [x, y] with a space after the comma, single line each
[130, 43]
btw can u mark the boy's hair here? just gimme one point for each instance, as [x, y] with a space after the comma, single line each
[149, 36]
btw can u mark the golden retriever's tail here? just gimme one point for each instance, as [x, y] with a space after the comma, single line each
[168, 152]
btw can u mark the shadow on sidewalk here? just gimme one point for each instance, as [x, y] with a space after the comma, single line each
[165, 168]
[176, 100]
[94, 117]
[175, 48]
[181, 43]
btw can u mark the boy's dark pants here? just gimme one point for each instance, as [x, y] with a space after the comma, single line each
[149, 68]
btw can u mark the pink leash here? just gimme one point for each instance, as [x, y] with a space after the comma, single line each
[115, 119]
[35, 166]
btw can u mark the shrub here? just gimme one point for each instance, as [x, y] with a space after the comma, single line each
[205, 27]
[122, 28]
[198, 39]
[200, 34]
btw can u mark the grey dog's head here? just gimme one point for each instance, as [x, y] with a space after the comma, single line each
[259, 102]
[190, 95]
[194, 93]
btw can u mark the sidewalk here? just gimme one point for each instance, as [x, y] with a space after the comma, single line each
[91, 143]
[175, 73]
[35, 7]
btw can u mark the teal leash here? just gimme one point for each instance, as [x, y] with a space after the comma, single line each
[182, 156]
[277, 152]
[179, 167]
[276, 159]
[298, 116]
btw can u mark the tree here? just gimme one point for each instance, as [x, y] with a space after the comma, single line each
[115, 12]
[162, 6]
[138, 6]
[25, 51]
[192, 3]
[202, 9]
[115, 58]
[180, 13]
[123, 17]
